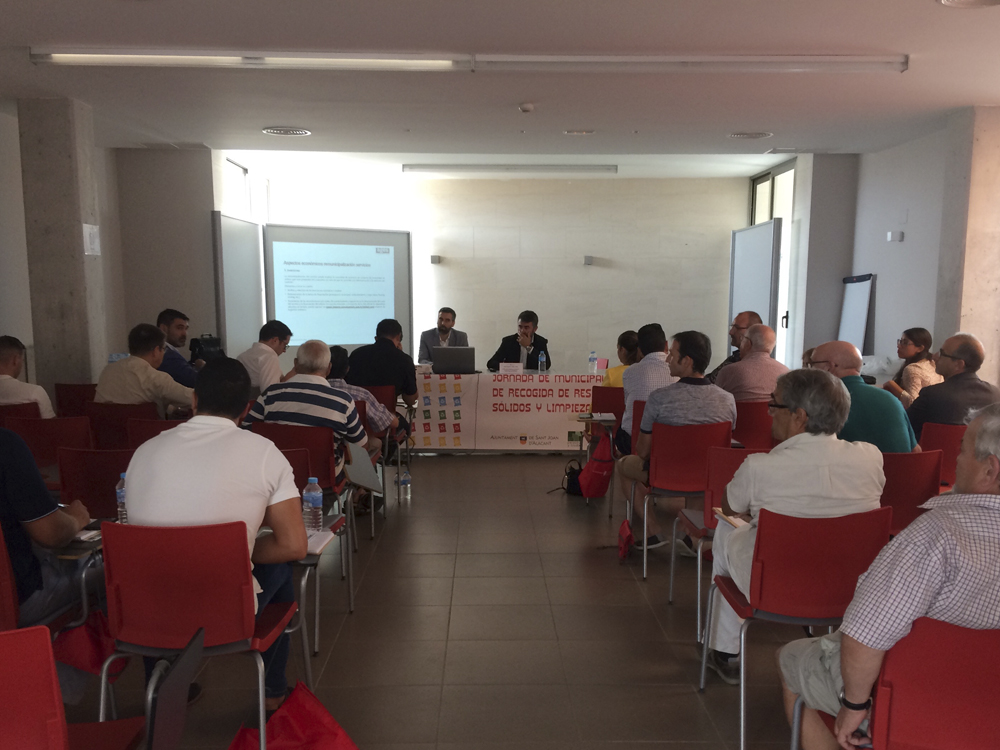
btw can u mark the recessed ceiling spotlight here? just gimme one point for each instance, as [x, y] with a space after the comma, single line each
[751, 136]
[526, 108]
[578, 132]
[969, 3]
[286, 131]
[635, 132]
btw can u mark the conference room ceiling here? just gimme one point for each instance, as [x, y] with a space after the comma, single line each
[953, 63]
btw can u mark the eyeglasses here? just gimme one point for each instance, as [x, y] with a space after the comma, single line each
[815, 362]
[943, 353]
[772, 404]
[903, 342]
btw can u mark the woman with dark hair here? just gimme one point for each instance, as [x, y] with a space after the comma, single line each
[628, 354]
[914, 348]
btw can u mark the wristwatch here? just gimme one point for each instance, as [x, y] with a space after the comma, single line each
[855, 706]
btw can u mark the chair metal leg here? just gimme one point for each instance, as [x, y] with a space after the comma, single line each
[797, 722]
[697, 584]
[106, 694]
[645, 534]
[707, 637]
[316, 613]
[743, 683]
[371, 512]
[350, 582]
[352, 522]
[261, 708]
[673, 561]
[614, 476]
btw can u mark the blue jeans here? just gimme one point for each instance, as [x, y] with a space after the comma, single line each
[278, 588]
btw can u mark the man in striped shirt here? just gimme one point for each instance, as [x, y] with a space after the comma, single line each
[308, 399]
[945, 565]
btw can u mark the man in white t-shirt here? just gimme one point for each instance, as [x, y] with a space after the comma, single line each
[229, 475]
[811, 473]
[261, 359]
[14, 391]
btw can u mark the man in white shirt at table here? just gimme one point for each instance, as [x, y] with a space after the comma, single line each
[218, 488]
[261, 359]
[14, 391]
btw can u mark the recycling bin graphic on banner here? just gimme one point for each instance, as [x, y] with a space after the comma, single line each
[445, 412]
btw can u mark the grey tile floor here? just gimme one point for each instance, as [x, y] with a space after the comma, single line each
[491, 615]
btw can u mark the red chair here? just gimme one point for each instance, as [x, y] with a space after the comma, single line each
[154, 608]
[605, 399]
[71, 397]
[911, 479]
[678, 464]
[29, 410]
[138, 431]
[9, 604]
[948, 439]
[90, 476]
[638, 407]
[299, 460]
[602, 363]
[753, 425]
[721, 465]
[362, 407]
[386, 395]
[319, 441]
[804, 573]
[33, 717]
[109, 422]
[45, 436]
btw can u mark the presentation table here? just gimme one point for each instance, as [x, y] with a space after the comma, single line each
[501, 412]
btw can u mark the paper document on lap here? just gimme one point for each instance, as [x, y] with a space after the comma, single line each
[731, 520]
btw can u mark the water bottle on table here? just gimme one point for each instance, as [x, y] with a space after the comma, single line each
[312, 505]
[120, 494]
[542, 362]
[592, 363]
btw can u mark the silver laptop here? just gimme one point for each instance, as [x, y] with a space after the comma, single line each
[454, 360]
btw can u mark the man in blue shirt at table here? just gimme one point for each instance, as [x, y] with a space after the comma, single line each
[174, 325]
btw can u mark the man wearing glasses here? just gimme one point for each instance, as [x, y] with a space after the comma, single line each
[950, 402]
[736, 333]
[810, 474]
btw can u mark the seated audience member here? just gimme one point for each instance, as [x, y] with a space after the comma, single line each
[261, 359]
[29, 516]
[216, 455]
[174, 325]
[945, 565]
[914, 348]
[950, 402]
[807, 357]
[691, 400]
[811, 473]
[307, 399]
[875, 417]
[380, 419]
[628, 355]
[385, 363]
[12, 390]
[136, 379]
[754, 376]
[737, 331]
[444, 335]
[650, 372]
[523, 346]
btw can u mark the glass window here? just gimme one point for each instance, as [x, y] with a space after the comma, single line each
[762, 200]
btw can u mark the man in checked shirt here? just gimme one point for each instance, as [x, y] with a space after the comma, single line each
[945, 566]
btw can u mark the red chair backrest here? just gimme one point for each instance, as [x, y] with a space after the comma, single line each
[721, 465]
[9, 606]
[946, 438]
[317, 440]
[110, 421]
[70, 398]
[602, 363]
[301, 470]
[809, 567]
[45, 436]
[29, 410]
[678, 457]
[385, 395]
[753, 425]
[938, 670]
[362, 407]
[138, 431]
[605, 399]
[165, 582]
[911, 479]
[638, 407]
[33, 715]
[90, 476]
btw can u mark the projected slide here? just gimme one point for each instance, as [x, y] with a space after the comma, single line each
[332, 292]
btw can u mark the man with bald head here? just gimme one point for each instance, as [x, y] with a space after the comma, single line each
[754, 376]
[873, 418]
[950, 402]
[741, 323]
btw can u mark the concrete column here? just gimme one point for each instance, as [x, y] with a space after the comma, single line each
[60, 196]
[968, 272]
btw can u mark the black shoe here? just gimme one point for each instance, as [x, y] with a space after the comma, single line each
[652, 542]
[685, 548]
[194, 693]
[727, 669]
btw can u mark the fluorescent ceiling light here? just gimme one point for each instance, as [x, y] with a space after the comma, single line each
[508, 168]
[695, 63]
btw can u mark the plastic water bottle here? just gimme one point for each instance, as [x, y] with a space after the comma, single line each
[404, 482]
[542, 362]
[312, 506]
[592, 362]
[120, 495]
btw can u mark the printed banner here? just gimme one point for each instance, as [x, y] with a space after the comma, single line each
[446, 412]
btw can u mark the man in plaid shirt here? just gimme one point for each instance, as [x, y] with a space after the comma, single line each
[945, 566]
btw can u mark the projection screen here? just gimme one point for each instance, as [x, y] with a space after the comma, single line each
[337, 284]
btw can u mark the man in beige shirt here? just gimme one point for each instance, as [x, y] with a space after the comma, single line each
[136, 380]
[14, 391]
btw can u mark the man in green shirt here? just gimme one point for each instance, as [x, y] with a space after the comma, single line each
[874, 418]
